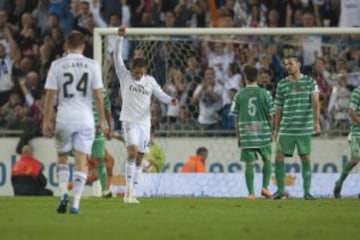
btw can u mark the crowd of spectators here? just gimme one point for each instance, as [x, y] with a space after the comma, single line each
[203, 73]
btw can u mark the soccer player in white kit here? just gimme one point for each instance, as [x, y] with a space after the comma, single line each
[136, 91]
[74, 80]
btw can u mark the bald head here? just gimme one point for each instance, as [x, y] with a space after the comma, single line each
[27, 150]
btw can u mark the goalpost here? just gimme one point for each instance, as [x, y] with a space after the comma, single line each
[100, 32]
[182, 43]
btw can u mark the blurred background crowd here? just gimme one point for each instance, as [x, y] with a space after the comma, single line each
[204, 73]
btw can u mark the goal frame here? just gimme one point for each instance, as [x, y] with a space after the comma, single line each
[99, 32]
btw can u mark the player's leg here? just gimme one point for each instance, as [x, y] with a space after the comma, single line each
[143, 146]
[265, 153]
[355, 158]
[109, 164]
[63, 145]
[83, 140]
[97, 153]
[284, 147]
[131, 136]
[304, 149]
[249, 157]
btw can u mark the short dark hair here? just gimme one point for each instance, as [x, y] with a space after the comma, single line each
[139, 63]
[292, 56]
[251, 73]
[75, 39]
[201, 150]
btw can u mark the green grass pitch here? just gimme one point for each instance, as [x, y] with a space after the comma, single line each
[181, 218]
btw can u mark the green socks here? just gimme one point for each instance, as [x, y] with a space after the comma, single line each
[306, 175]
[280, 176]
[345, 172]
[266, 174]
[101, 174]
[249, 176]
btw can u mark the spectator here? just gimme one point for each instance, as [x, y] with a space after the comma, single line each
[339, 103]
[7, 60]
[32, 125]
[349, 13]
[208, 97]
[266, 81]
[174, 87]
[154, 160]
[196, 164]
[184, 121]
[27, 177]
[227, 119]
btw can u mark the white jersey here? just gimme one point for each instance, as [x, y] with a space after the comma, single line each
[349, 13]
[75, 77]
[136, 94]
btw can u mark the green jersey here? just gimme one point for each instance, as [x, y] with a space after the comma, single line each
[107, 105]
[294, 99]
[355, 105]
[253, 106]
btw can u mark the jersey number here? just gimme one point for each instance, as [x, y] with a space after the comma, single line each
[252, 106]
[81, 86]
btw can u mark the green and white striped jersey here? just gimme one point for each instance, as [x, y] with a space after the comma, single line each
[253, 106]
[294, 98]
[355, 105]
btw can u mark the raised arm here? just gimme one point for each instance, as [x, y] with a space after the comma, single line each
[15, 54]
[120, 68]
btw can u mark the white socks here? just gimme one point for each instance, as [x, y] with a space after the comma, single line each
[79, 180]
[130, 174]
[138, 174]
[63, 172]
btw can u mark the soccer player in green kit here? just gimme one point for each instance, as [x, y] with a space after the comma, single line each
[253, 108]
[354, 114]
[98, 147]
[297, 118]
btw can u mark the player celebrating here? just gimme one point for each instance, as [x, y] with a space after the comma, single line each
[297, 117]
[74, 80]
[354, 114]
[136, 91]
[253, 108]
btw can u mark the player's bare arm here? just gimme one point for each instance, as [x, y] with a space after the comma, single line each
[98, 97]
[47, 127]
[353, 116]
[277, 120]
[236, 123]
[118, 136]
[109, 130]
[316, 108]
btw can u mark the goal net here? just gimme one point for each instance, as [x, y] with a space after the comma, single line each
[178, 59]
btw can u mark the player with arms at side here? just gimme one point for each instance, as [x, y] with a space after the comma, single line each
[137, 89]
[98, 147]
[253, 108]
[297, 118]
[74, 80]
[354, 114]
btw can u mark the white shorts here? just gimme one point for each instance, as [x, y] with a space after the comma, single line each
[137, 134]
[78, 136]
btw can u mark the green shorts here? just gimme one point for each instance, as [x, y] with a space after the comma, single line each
[355, 148]
[98, 148]
[286, 145]
[250, 154]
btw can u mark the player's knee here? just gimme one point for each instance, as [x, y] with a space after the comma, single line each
[304, 157]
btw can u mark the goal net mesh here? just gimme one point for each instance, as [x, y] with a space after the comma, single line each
[332, 60]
